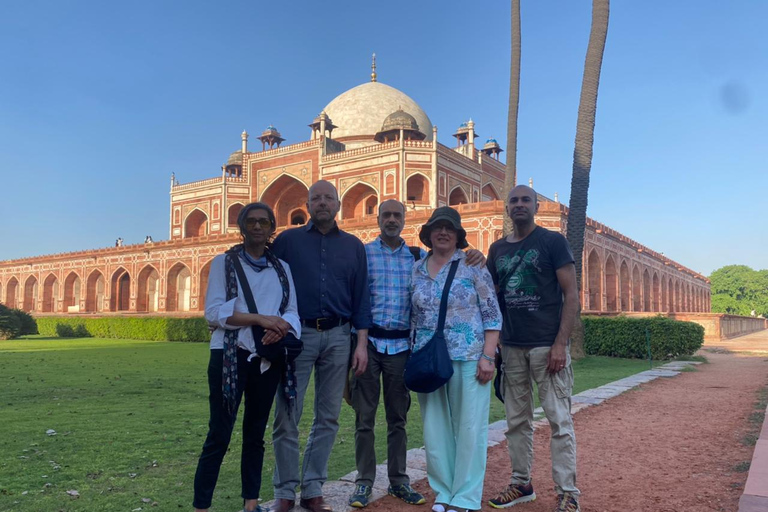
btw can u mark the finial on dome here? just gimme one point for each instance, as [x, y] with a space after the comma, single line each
[373, 68]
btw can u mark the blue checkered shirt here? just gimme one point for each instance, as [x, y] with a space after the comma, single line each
[389, 277]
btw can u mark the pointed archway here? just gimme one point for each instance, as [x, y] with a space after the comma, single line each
[285, 195]
[595, 281]
[50, 292]
[417, 190]
[232, 213]
[637, 290]
[94, 292]
[196, 224]
[489, 193]
[148, 290]
[203, 288]
[72, 292]
[457, 197]
[120, 290]
[359, 201]
[626, 288]
[178, 288]
[656, 302]
[611, 285]
[12, 293]
[646, 290]
[30, 294]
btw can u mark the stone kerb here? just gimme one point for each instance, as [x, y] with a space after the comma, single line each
[755, 497]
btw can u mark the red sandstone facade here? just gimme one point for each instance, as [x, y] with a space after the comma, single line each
[389, 151]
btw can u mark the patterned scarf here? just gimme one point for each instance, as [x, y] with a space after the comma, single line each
[229, 370]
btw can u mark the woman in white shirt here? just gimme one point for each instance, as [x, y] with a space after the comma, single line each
[240, 346]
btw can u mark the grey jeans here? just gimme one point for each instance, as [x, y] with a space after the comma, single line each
[326, 352]
[366, 390]
[523, 367]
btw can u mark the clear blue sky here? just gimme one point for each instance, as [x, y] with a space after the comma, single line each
[101, 101]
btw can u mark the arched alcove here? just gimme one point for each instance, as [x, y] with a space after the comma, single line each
[595, 281]
[637, 290]
[72, 291]
[203, 288]
[646, 290]
[232, 213]
[30, 294]
[417, 190]
[489, 193]
[94, 292]
[196, 224]
[12, 293]
[611, 285]
[50, 292]
[626, 287]
[120, 290]
[148, 292]
[457, 197]
[358, 201]
[178, 288]
[285, 195]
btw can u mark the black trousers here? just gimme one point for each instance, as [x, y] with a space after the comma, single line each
[259, 389]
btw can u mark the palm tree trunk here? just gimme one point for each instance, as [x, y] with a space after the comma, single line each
[510, 177]
[582, 153]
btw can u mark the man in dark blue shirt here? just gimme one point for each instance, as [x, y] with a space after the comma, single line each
[330, 273]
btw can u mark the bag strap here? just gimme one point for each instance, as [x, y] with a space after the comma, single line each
[258, 331]
[444, 300]
[415, 252]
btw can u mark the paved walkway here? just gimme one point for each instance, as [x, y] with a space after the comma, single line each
[337, 493]
[755, 497]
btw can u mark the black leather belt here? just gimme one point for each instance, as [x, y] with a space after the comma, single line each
[324, 324]
[380, 332]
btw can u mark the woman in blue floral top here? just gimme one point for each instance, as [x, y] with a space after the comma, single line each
[456, 415]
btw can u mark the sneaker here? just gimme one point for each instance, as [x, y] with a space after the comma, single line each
[567, 503]
[514, 495]
[361, 497]
[406, 493]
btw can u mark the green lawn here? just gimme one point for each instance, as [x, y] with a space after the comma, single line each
[130, 418]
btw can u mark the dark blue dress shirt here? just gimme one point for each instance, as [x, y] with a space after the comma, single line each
[330, 273]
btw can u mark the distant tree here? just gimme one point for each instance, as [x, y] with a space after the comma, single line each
[739, 290]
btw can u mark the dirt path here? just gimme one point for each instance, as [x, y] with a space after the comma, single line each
[672, 445]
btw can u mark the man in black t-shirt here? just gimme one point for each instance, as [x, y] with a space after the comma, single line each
[536, 280]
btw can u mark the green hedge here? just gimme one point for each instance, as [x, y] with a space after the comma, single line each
[138, 328]
[626, 337]
[15, 322]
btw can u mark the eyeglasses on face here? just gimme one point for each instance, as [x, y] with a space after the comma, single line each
[447, 227]
[262, 222]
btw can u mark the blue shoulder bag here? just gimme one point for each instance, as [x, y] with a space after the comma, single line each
[429, 368]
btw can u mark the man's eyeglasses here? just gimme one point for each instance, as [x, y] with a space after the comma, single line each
[262, 222]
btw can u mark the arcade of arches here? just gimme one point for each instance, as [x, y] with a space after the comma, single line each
[619, 275]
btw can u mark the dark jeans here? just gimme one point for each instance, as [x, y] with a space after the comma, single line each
[365, 391]
[259, 391]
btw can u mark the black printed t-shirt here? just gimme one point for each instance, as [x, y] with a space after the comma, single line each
[530, 297]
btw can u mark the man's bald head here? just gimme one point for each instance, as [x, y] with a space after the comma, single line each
[522, 205]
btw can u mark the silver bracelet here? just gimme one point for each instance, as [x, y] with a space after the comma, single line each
[488, 358]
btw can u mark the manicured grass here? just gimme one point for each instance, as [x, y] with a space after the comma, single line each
[130, 418]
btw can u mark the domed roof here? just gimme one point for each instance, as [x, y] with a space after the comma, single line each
[362, 110]
[400, 119]
[236, 158]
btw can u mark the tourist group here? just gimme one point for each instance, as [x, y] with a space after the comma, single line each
[362, 317]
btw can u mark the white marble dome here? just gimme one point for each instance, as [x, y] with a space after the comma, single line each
[361, 111]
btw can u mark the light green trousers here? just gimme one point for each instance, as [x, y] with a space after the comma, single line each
[456, 437]
[523, 367]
